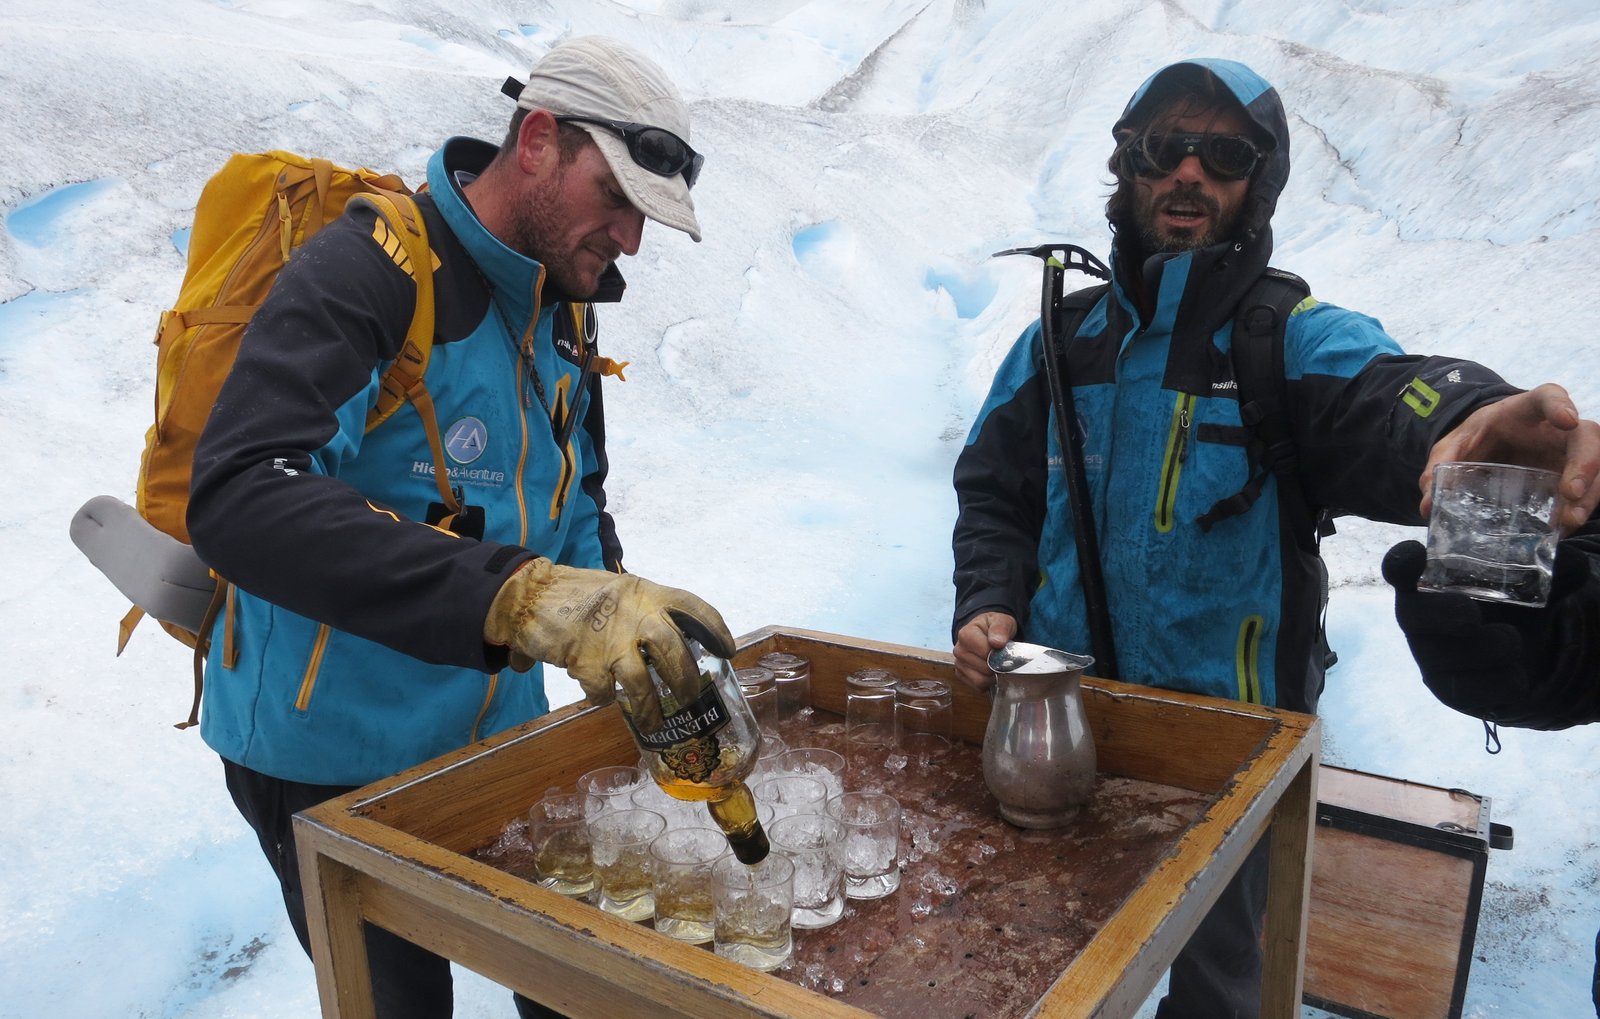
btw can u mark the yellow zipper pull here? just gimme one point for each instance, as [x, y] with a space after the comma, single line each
[1183, 428]
[606, 366]
[285, 226]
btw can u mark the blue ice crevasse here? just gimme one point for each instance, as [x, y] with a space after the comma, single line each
[34, 222]
[30, 311]
[971, 291]
[810, 242]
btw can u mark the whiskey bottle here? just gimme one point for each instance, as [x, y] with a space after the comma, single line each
[704, 750]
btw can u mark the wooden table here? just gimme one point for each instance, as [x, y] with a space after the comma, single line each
[400, 853]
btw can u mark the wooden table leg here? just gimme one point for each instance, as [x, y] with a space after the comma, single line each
[338, 941]
[1289, 895]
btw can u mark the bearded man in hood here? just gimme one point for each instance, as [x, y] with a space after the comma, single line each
[1226, 604]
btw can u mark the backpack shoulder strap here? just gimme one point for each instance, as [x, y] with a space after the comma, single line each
[405, 237]
[1081, 301]
[1074, 308]
[1258, 363]
[1258, 369]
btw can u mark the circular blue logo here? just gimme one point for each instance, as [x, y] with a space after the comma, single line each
[466, 440]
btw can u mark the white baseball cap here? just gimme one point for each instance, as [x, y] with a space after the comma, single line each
[593, 76]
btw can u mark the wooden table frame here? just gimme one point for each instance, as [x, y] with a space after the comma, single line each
[397, 853]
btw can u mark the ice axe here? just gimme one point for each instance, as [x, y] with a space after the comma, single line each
[1058, 258]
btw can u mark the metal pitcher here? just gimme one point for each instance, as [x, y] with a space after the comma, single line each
[1038, 752]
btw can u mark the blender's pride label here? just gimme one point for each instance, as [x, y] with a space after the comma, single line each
[697, 720]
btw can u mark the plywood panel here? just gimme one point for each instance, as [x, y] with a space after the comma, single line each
[1386, 926]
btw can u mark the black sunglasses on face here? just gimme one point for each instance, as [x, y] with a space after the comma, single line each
[1223, 156]
[654, 148]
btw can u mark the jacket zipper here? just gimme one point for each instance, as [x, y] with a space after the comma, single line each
[1172, 463]
[568, 398]
[488, 699]
[569, 458]
[319, 647]
[308, 682]
[525, 371]
[1247, 659]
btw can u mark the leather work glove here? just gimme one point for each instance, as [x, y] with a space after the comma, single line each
[1506, 664]
[600, 627]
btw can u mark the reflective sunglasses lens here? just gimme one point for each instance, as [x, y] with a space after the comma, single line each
[1229, 156]
[1225, 156]
[660, 151]
[1158, 155]
[1138, 161]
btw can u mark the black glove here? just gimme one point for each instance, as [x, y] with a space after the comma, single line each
[1508, 664]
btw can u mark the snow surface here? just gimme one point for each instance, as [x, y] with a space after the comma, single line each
[800, 383]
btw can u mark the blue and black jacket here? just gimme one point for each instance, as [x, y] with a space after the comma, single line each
[358, 626]
[1233, 612]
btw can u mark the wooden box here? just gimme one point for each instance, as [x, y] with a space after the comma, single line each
[402, 853]
[1397, 881]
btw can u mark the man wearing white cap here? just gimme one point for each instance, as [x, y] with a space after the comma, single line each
[372, 629]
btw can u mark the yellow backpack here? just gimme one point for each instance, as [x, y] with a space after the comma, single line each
[251, 215]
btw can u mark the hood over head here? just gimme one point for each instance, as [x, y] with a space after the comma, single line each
[1262, 108]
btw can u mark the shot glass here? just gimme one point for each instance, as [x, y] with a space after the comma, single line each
[1492, 534]
[871, 823]
[793, 676]
[814, 843]
[560, 841]
[619, 843]
[922, 717]
[828, 766]
[791, 794]
[760, 691]
[869, 707]
[681, 862]
[751, 910]
[608, 789]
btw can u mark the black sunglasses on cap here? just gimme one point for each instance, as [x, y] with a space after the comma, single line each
[1224, 156]
[654, 148]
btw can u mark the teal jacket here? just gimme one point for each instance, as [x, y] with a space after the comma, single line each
[1233, 612]
[357, 625]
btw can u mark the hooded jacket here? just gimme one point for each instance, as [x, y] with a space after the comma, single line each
[1233, 612]
[358, 626]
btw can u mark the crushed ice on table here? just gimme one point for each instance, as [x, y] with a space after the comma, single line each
[923, 842]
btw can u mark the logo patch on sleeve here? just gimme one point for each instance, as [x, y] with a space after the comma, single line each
[391, 246]
[389, 241]
[1420, 397]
